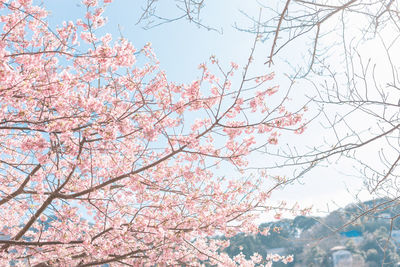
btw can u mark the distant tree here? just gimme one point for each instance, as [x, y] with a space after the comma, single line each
[372, 256]
[351, 246]
[303, 222]
[279, 234]
[315, 256]
[379, 248]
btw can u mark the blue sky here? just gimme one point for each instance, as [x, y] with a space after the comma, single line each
[181, 47]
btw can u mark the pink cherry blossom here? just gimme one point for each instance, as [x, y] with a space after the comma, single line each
[104, 160]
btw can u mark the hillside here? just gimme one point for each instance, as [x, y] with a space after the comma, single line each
[362, 235]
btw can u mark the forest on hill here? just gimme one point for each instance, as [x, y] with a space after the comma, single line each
[371, 239]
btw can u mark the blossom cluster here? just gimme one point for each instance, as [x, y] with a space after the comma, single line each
[106, 161]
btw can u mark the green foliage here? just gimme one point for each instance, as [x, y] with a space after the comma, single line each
[299, 237]
[372, 255]
[379, 248]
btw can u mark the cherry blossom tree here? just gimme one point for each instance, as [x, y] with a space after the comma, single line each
[104, 161]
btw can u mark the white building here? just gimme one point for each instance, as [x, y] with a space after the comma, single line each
[342, 258]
